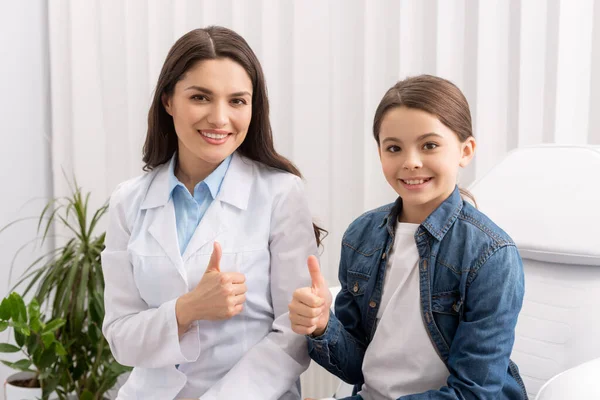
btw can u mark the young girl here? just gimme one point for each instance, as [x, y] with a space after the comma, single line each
[204, 251]
[430, 287]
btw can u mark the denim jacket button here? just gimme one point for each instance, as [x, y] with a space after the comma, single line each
[383, 256]
[355, 288]
[372, 304]
[424, 265]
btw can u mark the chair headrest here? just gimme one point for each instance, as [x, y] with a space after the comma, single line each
[547, 198]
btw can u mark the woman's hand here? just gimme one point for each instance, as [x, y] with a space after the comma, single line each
[218, 296]
[309, 309]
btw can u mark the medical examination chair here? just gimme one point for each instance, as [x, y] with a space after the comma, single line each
[547, 198]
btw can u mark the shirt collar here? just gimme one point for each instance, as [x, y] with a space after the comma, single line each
[235, 189]
[438, 222]
[212, 181]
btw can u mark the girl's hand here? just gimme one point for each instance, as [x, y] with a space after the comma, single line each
[309, 309]
[218, 296]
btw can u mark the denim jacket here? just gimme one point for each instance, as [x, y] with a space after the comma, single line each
[471, 285]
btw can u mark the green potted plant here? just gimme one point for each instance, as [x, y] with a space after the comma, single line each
[68, 281]
[36, 339]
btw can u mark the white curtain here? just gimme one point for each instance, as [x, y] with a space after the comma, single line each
[524, 65]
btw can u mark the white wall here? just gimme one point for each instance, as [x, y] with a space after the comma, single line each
[24, 133]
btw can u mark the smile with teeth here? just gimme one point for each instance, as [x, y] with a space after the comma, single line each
[217, 136]
[415, 181]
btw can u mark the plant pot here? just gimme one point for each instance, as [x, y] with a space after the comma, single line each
[13, 392]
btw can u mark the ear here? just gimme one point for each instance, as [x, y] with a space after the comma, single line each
[166, 101]
[467, 151]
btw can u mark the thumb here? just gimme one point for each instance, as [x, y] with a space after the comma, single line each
[215, 258]
[316, 277]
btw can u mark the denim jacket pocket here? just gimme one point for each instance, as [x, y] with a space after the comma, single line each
[357, 282]
[447, 311]
[448, 303]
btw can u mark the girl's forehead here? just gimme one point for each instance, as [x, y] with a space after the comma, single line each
[410, 123]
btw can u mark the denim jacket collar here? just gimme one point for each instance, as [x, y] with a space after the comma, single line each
[438, 222]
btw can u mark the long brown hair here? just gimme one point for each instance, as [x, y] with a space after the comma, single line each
[436, 96]
[213, 42]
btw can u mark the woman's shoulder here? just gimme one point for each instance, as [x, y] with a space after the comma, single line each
[273, 179]
[131, 193]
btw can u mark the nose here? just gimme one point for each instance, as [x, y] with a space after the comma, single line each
[217, 117]
[412, 161]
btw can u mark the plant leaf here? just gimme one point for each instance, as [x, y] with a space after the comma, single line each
[79, 311]
[19, 338]
[50, 219]
[34, 311]
[5, 227]
[37, 272]
[48, 338]
[50, 385]
[97, 215]
[60, 350]
[86, 395]
[25, 330]
[16, 255]
[36, 325]
[3, 326]
[8, 348]
[5, 311]
[53, 325]
[46, 359]
[18, 309]
[23, 364]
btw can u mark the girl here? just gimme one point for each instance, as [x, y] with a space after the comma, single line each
[204, 251]
[430, 287]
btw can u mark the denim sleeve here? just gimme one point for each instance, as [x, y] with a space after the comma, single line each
[339, 350]
[480, 351]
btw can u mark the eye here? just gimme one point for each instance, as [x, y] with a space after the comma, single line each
[430, 146]
[199, 97]
[393, 149]
[239, 102]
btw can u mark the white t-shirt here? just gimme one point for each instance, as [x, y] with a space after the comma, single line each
[401, 359]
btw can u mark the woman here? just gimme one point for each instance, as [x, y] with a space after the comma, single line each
[204, 251]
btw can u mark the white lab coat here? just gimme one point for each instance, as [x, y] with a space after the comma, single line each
[261, 219]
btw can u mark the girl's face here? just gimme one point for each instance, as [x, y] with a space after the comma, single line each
[420, 158]
[211, 108]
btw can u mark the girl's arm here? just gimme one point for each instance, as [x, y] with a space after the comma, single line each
[479, 355]
[341, 348]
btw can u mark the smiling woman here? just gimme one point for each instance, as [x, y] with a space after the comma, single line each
[211, 108]
[204, 250]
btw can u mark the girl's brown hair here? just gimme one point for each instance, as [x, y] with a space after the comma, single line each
[434, 95]
[213, 42]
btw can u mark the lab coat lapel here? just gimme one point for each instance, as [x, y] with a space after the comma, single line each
[211, 225]
[164, 230]
[161, 213]
[233, 197]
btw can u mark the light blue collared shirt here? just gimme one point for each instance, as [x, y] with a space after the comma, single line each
[189, 209]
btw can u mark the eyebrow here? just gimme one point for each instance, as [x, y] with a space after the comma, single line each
[424, 136]
[208, 91]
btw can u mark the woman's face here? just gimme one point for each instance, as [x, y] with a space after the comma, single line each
[211, 108]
